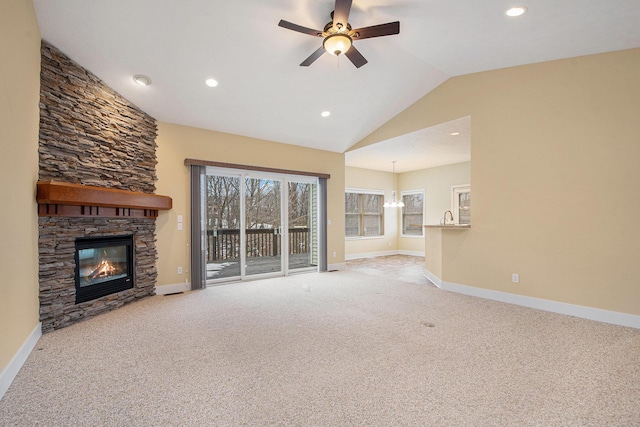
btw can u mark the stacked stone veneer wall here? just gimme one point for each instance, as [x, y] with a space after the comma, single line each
[90, 135]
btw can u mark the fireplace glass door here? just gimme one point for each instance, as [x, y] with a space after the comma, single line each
[104, 265]
[99, 265]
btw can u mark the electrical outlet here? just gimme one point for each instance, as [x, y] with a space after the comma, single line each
[179, 270]
[515, 277]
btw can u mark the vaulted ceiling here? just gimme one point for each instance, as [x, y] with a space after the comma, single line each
[262, 91]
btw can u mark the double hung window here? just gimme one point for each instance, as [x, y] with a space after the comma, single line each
[364, 215]
[412, 213]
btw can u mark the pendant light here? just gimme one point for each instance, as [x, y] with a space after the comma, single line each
[393, 203]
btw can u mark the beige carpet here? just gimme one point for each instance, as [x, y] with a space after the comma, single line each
[332, 349]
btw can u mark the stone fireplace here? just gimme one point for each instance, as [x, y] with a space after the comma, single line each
[95, 195]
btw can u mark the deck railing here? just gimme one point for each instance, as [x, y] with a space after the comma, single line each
[223, 244]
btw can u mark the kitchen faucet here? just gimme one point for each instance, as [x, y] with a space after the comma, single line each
[444, 220]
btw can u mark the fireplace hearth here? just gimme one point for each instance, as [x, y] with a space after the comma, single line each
[104, 265]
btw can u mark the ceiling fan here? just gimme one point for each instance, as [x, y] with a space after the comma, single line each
[338, 36]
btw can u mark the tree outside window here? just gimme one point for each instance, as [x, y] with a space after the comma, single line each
[364, 215]
[412, 213]
[462, 204]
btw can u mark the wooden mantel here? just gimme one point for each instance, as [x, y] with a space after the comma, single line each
[65, 199]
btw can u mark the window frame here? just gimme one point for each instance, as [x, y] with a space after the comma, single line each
[456, 190]
[361, 214]
[402, 213]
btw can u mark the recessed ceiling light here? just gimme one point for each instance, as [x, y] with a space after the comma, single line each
[211, 82]
[325, 114]
[455, 133]
[142, 80]
[516, 11]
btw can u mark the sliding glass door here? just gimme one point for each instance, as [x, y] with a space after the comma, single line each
[223, 222]
[302, 225]
[259, 224]
[263, 225]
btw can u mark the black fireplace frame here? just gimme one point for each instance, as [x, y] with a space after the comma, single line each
[88, 293]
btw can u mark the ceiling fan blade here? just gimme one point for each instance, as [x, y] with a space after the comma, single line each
[299, 28]
[341, 12]
[387, 29]
[312, 58]
[356, 57]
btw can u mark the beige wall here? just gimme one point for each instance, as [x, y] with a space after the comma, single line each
[19, 116]
[433, 251]
[555, 174]
[368, 179]
[175, 143]
[437, 185]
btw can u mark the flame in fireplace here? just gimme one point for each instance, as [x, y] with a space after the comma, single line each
[104, 269]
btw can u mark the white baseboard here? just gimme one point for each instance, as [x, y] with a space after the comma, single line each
[172, 289]
[338, 266]
[597, 314]
[9, 373]
[382, 253]
[369, 255]
[411, 253]
[433, 278]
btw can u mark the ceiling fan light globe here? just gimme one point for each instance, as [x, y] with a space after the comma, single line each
[337, 44]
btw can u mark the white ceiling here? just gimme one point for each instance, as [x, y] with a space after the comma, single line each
[264, 93]
[426, 148]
